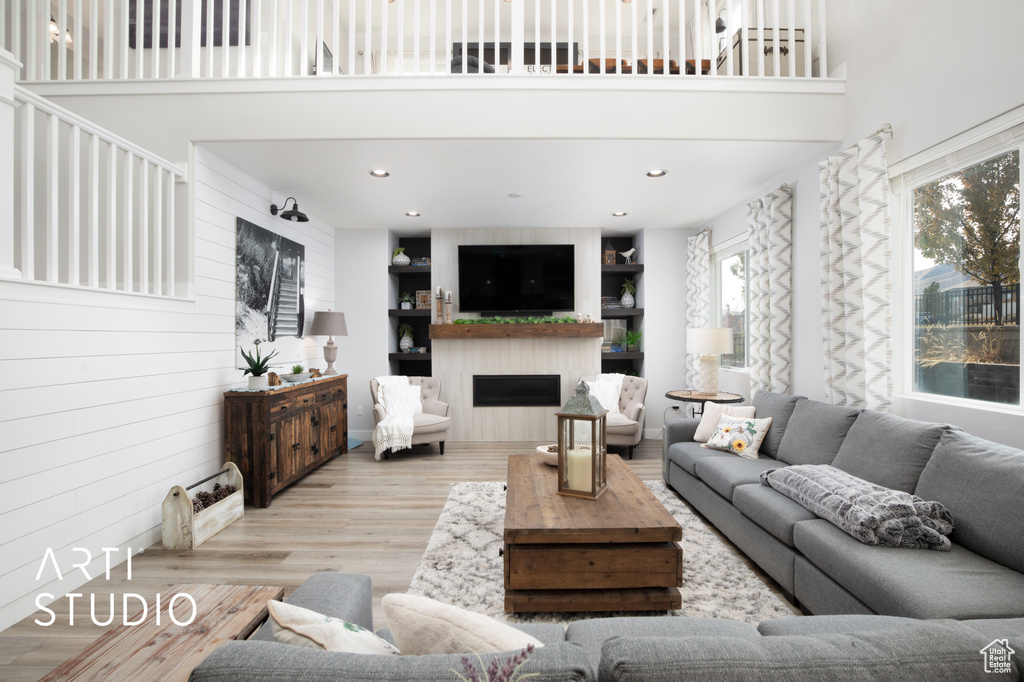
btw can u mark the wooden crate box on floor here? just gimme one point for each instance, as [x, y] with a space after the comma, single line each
[279, 435]
[184, 529]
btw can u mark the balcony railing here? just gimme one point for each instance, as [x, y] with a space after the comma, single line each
[93, 210]
[169, 39]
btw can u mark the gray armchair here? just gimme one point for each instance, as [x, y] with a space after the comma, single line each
[430, 427]
[626, 428]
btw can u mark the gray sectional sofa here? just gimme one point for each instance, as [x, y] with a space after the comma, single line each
[826, 570]
[840, 648]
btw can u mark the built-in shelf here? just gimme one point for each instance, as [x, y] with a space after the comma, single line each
[624, 355]
[612, 313]
[622, 269]
[410, 269]
[414, 357]
[544, 330]
[414, 312]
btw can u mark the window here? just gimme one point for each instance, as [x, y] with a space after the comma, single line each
[729, 268]
[966, 281]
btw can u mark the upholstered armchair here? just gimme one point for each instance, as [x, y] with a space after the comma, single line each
[429, 427]
[626, 427]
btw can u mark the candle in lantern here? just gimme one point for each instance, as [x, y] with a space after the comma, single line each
[578, 461]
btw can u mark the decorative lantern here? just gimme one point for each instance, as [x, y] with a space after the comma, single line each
[582, 446]
[609, 253]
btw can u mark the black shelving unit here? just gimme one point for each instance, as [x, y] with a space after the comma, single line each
[611, 285]
[412, 278]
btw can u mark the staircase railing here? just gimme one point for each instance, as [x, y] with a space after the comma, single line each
[272, 296]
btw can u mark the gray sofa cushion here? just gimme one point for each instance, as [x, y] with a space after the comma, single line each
[348, 596]
[827, 625]
[723, 474]
[900, 582]
[982, 484]
[779, 407]
[273, 662]
[815, 433]
[924, 652]
[888, 450]
[591, 634]
[999, 628]
[686, 455]
[771, 510]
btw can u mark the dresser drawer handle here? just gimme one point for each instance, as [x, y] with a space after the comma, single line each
[334, 428]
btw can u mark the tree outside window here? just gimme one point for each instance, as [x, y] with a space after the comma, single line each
[967, 282]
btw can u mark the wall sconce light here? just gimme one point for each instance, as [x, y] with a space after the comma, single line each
[293, 214]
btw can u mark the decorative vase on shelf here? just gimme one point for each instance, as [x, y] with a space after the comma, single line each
[259, 383]
[627, 300]
[400, 259]
[405, 305]
[405, 343]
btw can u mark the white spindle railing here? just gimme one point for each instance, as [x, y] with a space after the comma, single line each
[137, 39]
[93, 210]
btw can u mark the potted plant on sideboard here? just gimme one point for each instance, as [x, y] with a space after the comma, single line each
[257, 367]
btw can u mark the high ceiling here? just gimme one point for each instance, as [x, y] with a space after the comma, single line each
[561, 183]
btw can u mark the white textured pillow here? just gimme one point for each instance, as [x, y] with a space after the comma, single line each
[422, 626]
[302, 627]
[739, 436]
[712, 413]
[401, 399]
[606, 394]
[616, 381]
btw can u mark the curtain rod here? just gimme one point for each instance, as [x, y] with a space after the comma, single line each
[886, 129]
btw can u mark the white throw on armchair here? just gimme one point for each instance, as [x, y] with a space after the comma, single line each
[429, 427]
[626, 426]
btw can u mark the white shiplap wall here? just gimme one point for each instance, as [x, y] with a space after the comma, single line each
[107, 400]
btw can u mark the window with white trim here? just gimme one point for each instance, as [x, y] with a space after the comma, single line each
[961, 217]
[730, 304]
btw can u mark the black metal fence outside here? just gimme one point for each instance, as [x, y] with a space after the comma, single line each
[974, 305]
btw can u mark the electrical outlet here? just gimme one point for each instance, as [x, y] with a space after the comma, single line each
[359, 410]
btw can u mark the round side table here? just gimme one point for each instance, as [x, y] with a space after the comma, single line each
[698, 398]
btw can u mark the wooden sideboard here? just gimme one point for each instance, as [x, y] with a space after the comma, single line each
[279, 435]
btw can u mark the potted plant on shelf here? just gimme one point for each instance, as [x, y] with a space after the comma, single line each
[405, 300]
[405, 333]
[257, 367]
[398, 256]
[628, 290]
[633, 339]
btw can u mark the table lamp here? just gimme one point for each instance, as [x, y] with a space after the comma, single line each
[329, 324]
[710, 342]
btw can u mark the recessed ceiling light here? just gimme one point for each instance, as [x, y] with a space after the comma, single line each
[619, 214]
[515, 195]
[379, 173]
[413, 214]
[657, 173]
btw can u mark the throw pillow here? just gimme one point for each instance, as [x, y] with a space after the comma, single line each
[712, 413]
[401, 399]
[422, 626]
[739, 436]
[302, 627]
[605, 393]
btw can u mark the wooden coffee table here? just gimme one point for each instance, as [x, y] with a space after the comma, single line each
[167, 651]
[616, 553]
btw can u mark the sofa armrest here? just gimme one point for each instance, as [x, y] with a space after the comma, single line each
[346, 596]
[676, 431]
[435, 407]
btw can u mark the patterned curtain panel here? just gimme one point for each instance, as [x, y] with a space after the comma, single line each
[856, 284]
[770, 232]
[698, 292]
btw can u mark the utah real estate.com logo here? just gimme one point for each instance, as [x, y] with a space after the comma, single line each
[998, 656]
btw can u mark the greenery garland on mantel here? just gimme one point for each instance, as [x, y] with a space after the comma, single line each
[568, 319]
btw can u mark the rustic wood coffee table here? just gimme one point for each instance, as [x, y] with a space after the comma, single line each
[616, 553]
[167, 651]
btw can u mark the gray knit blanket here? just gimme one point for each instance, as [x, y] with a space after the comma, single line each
[872, 514]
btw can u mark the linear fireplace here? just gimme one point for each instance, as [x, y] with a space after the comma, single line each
[516, 390]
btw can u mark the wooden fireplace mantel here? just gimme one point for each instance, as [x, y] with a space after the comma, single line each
[544, 330]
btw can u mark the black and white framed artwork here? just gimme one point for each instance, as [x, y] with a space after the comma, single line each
[270, 278]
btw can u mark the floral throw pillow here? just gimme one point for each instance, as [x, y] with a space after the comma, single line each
[739, 435]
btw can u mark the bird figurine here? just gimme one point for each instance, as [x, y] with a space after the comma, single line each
[628, 255]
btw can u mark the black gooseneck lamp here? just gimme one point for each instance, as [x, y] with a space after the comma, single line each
[293, 214]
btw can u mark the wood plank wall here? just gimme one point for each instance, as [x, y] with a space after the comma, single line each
[108, 399]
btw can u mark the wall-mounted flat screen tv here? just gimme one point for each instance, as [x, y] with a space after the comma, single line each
[517, 279]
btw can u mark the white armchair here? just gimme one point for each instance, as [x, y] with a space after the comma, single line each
[433, 424]
[626, 427]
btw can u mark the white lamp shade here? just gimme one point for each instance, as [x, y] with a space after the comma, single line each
[328, 324]
[709, 340]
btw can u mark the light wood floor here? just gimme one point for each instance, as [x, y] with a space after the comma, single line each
[354, 514]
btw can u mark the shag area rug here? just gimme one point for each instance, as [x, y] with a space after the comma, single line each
[462, 566]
